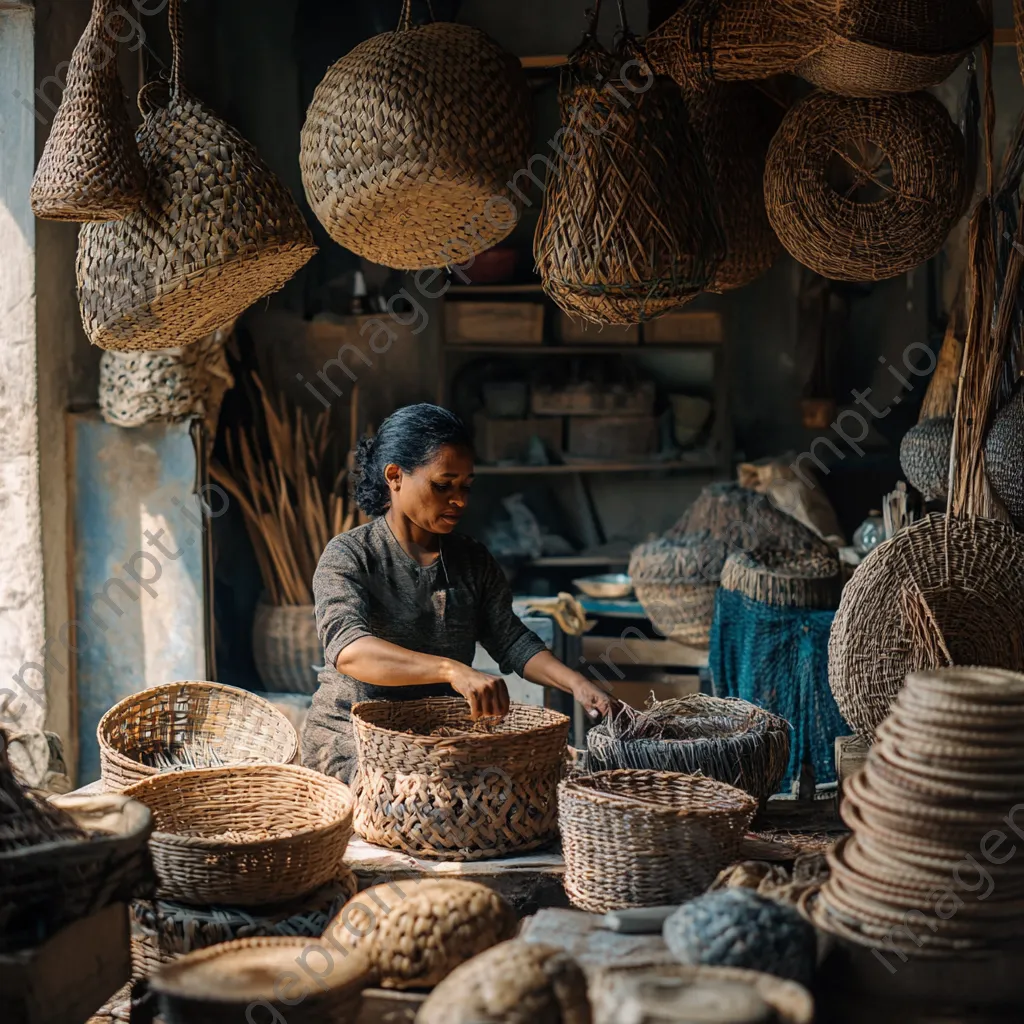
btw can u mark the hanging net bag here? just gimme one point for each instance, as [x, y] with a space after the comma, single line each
[412, 143]
[629, 227]
[216, 231]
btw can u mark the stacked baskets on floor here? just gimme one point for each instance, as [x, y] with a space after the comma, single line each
[939, 790]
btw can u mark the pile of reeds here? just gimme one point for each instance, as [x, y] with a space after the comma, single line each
[287, 475]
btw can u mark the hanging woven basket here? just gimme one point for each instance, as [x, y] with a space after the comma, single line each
[924, 456]
[882, 47]
[411, 143]
[1004, 455]
[942, 592]
[217, 230]
[90, 169]
[830, 147]
[629, 228]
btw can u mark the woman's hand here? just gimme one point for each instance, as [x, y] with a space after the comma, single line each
[487, 695]
[596, 702]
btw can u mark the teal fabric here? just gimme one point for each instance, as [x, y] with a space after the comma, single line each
[777, 658]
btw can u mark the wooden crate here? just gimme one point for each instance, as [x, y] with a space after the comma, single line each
[685, 328]
[574, 331]
[612, 437]
[500, 440]
[494, 323]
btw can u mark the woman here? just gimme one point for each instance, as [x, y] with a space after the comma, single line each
[402, 601]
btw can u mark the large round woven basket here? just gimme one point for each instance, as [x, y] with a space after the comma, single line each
[434, 784]
[217, 230]
[924, 456]
[730, 740]
[646, 838]
[881, 47]
[190, 725]
[246, 836]
[90, 168]
[820, 221]
[941, 592]
[286, 648]
[411, 143]
[785, 579]
[1004, 455]
[629, 228]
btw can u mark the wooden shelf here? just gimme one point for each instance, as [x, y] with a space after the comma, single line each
[578, 350]
[705, 464]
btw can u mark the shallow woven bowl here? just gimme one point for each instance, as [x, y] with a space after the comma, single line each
[248, 835]
[238, 726]
[465, 793]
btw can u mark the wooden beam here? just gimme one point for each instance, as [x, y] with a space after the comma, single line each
[544, 61]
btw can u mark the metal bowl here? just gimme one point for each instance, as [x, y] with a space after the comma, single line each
[609, 585]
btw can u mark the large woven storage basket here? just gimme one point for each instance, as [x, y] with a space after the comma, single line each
[785, 579]
[190, 724]
[286, 648]
[431, 783]
[90, 168]
[646, 838]
[941, 592]
[247, 835]
[821, 222]
[216, 232]
[412, 142]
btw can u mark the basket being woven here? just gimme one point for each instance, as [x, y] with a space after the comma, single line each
[412, 144]
[416, 932]
[90, 169]
[248, 835]
[730, 740]
[217, 230]
[433, 784]
[819, 219]
[647, 838]
[942, 592]
[190, 725]
[629, 228]
[789, 579]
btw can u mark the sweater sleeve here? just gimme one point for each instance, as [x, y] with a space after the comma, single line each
[340, 593]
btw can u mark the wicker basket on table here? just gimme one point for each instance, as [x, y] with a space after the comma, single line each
[248, 835]
[190, 725]
[647, 838]
[432, 783]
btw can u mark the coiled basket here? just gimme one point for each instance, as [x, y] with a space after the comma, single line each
[434, 784]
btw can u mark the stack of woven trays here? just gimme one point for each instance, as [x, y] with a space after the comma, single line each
[930, 868]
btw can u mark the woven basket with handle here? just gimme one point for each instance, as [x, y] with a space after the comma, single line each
[246, 836]
[90, 169]
[190, 725]
[216, 232]
[433, 784]
[647, 838]
[411, 143]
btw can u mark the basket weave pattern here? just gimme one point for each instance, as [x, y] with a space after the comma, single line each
[786, 579]
[286, 648]
[645, 838]
[460, 794]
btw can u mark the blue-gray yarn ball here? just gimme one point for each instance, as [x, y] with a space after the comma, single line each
[739, 928]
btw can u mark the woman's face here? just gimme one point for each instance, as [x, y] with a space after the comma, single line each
[435, 495]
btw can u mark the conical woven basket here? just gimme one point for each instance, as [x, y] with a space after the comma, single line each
[90, 169]
[216, 232]
[1004, 455]
[823, 225]
[411, 145]
[924, 456]
[629, 228]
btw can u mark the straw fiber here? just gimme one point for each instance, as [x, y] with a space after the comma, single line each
[786, 579]
[216, 232]
[823, 224]
[411, 142]
[942, 592]
[433, 783]
[416, 932]
[230, 981]
[190, 725]
[1004, 455]
[629, 228]
[647, 838]
[90, 169]
[882, 47]
[730, 740]
[248, 835]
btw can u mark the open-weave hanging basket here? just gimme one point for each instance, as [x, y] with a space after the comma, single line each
[432, 783]
[411, 144]
[941, 592]
[822, 225]
[785, 579]
[630, 228]
[90, 169]
[882, 47]
[217, 230]
[1004, 455]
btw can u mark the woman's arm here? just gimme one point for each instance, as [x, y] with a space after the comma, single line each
[546, 670]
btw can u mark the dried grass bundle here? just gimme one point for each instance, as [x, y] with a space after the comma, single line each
[287, 476]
